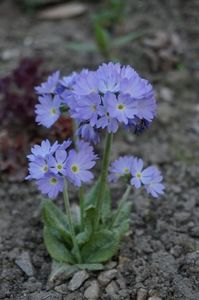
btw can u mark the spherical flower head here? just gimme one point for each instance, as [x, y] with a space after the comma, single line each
[50, 85]
[51, 184]
[121, 168]
[110, 96]
[48, 111]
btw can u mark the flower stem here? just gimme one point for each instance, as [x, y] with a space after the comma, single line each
[70, 222]
[103, 178]
[123, 200]
[81, 200]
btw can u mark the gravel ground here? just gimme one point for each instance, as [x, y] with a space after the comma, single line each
[160, 257]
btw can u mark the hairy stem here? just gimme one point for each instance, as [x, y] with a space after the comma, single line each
[103, 178]
[70, 222]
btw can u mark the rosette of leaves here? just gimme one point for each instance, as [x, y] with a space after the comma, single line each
[96, 247]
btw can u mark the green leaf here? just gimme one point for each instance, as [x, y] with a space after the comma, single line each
[122, 214]
[102, 39]
[121, 218]
[122, 41]
[122, 229]
[92, 267]
[56, 249]
[101, 247]
[89, 215]
[53, 217]
[61, 269]
[91, 199]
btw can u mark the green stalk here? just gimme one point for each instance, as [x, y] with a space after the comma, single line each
[81, 201]
[70, 222]
[103, 178]
[123, 200]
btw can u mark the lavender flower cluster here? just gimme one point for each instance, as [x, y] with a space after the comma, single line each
[101, 99]
[48, 164]
[131, 168]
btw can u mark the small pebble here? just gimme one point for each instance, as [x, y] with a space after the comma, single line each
[154, 298]
[62, 289]
[77, 280]
[92, 292]
[141, 294]
[105, 277]
[24, 263]
[112, 289]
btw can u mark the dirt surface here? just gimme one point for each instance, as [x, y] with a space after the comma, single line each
[160, 257]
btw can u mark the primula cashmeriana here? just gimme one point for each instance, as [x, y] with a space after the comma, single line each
[109, 98]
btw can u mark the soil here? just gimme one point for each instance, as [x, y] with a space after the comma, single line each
[160, 257]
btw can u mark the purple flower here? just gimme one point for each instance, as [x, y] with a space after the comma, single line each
[146, 109]
[88, 133]
[111, 95]
[45, 149]
[51, 185]
[37, 168]
[109, 78]
[86, 84]
[49, 86]
[48, 111]
[140, 176]
[42, 150]
[57, 163]
[132, 84]
[78, 165]
[105, 119]
[122, 108]
[87, 149]
[121, 167]
[87, 109]
[68, 81]
[155, 187]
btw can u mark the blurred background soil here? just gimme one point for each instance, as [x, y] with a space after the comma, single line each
[160, 257]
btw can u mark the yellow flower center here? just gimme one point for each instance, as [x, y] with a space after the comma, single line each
[75, 169]
[126, 170]
[138, 175]
[53, 180]
[59, 167]
[53, 111]
[121, 106]
[45, 169]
